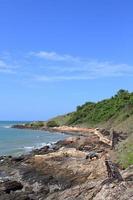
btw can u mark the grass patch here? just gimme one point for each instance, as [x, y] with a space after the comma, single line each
[125, 152]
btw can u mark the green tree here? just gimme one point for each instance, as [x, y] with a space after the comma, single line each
[52, 123]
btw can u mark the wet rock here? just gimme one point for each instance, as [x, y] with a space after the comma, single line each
[92, 155]
[18, 159]
[9, 186]
[61, 172]
[15, 196]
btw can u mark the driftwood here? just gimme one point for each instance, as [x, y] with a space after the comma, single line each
[113, 172]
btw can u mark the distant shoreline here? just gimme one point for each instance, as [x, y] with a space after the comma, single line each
[16, 142]
[76, 131]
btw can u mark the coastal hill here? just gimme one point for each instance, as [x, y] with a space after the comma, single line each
[92, 164]
[115, 112]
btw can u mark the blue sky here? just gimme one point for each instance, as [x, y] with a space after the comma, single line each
[57, 54]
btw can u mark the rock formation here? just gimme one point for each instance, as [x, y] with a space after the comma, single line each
[63, 172]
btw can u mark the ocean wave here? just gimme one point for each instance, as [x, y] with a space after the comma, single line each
[29, 148]
[9, 126]
[38, 146]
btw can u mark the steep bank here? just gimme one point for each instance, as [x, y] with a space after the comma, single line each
[115, 112]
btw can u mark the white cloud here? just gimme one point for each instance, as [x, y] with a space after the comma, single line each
[81, 65]
[60, 78]
[2, 64]
[86, 70]
[54, 56]
[5, 68]
[107, 69]
[37, 68]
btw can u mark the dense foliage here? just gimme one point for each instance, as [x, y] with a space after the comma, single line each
[37, 124]
[52, 123]
[95, 113]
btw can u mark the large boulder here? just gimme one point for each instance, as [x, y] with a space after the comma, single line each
[9, 186]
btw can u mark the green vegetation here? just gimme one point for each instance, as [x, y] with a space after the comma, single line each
[52, 123]
[62, 119]
[115, 112]
[125, 152]
[36, 124]
[106, 112]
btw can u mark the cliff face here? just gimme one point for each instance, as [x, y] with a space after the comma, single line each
[64, 171]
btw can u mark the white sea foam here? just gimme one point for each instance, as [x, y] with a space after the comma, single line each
[42, 144]
[12, 142]
[27, 149]
[7, 126]
[37, 146]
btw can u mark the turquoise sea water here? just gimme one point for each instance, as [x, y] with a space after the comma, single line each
[17, 141]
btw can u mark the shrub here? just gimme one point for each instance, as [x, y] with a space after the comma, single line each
[37, 124]
[52, 123]
[102, 111]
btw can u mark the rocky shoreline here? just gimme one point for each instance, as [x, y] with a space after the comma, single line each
[73, 168]
[62, 129]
